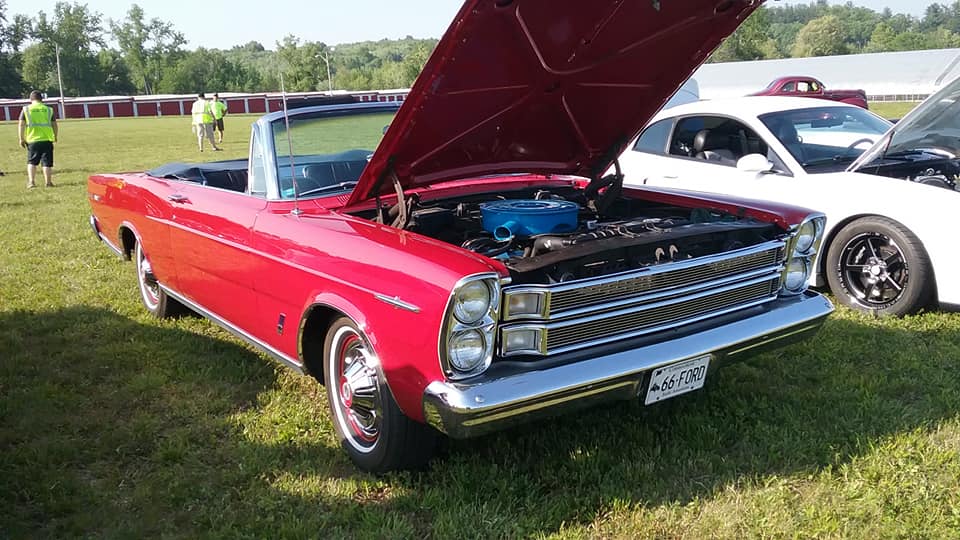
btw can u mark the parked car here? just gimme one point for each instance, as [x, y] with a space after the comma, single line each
[886, 248]
[795, 86]
[477, 270]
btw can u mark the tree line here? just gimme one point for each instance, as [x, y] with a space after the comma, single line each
[146, 55]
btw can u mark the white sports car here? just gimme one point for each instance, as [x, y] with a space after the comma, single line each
[890, 245]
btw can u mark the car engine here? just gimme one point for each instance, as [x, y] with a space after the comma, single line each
[559, 235]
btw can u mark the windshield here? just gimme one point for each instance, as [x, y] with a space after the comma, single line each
[330, 149]
[822, 139]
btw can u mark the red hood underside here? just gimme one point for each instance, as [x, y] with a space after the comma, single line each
[544, 86]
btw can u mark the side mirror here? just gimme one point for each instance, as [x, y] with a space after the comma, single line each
[755, 163]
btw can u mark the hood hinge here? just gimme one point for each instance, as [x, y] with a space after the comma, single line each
[601, 202]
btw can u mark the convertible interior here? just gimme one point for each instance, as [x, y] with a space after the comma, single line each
[231, 175]
[312, 172]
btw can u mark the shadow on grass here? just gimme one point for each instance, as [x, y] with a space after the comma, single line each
[109, 427]
[794, 411]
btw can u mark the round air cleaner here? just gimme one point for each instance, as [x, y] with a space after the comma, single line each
[527, 217]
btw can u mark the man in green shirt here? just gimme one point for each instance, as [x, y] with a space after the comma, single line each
[203, 122]
[37, 129]
[219, 110]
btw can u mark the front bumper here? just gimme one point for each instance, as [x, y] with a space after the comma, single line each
[464, 410]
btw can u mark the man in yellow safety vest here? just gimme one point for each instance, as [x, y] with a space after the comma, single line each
[203, 121]
[219, 110]
[38, 130]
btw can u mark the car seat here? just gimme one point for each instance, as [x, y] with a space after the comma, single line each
[713, 147]
[787, 133]
[315, 176]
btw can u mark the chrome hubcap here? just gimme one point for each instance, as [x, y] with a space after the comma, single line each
[874, 270]
[148, 282]
[358, 394]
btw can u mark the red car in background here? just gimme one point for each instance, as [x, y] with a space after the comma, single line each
[796, 86]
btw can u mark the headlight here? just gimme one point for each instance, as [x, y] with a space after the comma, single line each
[806, 237]
[472, 302]
[468, 333]
[796, 275]
[467, 350]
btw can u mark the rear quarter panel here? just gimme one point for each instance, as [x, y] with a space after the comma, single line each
[137, 202]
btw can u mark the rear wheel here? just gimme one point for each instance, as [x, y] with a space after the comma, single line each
[877, 265]
[157, 302]
[373, 431]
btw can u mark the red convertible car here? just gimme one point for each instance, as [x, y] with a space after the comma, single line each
[477, 269]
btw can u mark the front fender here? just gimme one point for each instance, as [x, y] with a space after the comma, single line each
[404, 341]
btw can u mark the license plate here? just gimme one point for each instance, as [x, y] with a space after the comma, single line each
[670, 381]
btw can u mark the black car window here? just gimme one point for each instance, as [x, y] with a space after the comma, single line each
[722, 140]
[653, 140]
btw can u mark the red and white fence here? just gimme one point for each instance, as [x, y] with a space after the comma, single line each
[176, 105]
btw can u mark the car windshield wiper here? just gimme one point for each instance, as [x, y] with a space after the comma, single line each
[829, 160]
[331, 187]
[906, 155]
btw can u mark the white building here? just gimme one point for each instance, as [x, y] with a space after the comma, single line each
[891, 76]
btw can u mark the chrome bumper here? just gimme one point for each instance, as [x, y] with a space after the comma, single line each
[464, 410]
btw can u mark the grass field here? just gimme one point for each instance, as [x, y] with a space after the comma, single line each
[114, 425]
[892, 109]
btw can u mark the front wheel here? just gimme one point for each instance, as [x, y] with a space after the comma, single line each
[877, 265]
[372, 429]
[157, 302]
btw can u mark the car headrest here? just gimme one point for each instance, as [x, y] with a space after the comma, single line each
[787, 133]
[706, 139]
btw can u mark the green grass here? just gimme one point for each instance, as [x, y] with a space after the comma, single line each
[115, 425]
[892, 110]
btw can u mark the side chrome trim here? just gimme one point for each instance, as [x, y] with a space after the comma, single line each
[492, 403]
[277, 355]
[395, 301]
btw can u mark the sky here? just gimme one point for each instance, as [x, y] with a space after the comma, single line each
[222, 24]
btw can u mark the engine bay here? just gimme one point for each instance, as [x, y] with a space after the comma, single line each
[556, 235]
[937, 171]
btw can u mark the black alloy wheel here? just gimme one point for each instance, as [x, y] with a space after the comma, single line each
[877, 265]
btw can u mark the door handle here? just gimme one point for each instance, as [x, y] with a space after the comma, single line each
[670, 176]
[178, 198]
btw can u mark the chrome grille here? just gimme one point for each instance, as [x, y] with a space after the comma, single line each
[592, 311]
[636, 322]
[607, 291]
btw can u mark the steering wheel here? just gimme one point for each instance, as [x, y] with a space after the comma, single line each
[854, 144]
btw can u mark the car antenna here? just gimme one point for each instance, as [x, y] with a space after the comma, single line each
[293, 169]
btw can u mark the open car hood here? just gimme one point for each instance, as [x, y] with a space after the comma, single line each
[933, 128]
[544, 86]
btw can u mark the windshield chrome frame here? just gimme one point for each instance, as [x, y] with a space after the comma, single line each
[264, 126]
